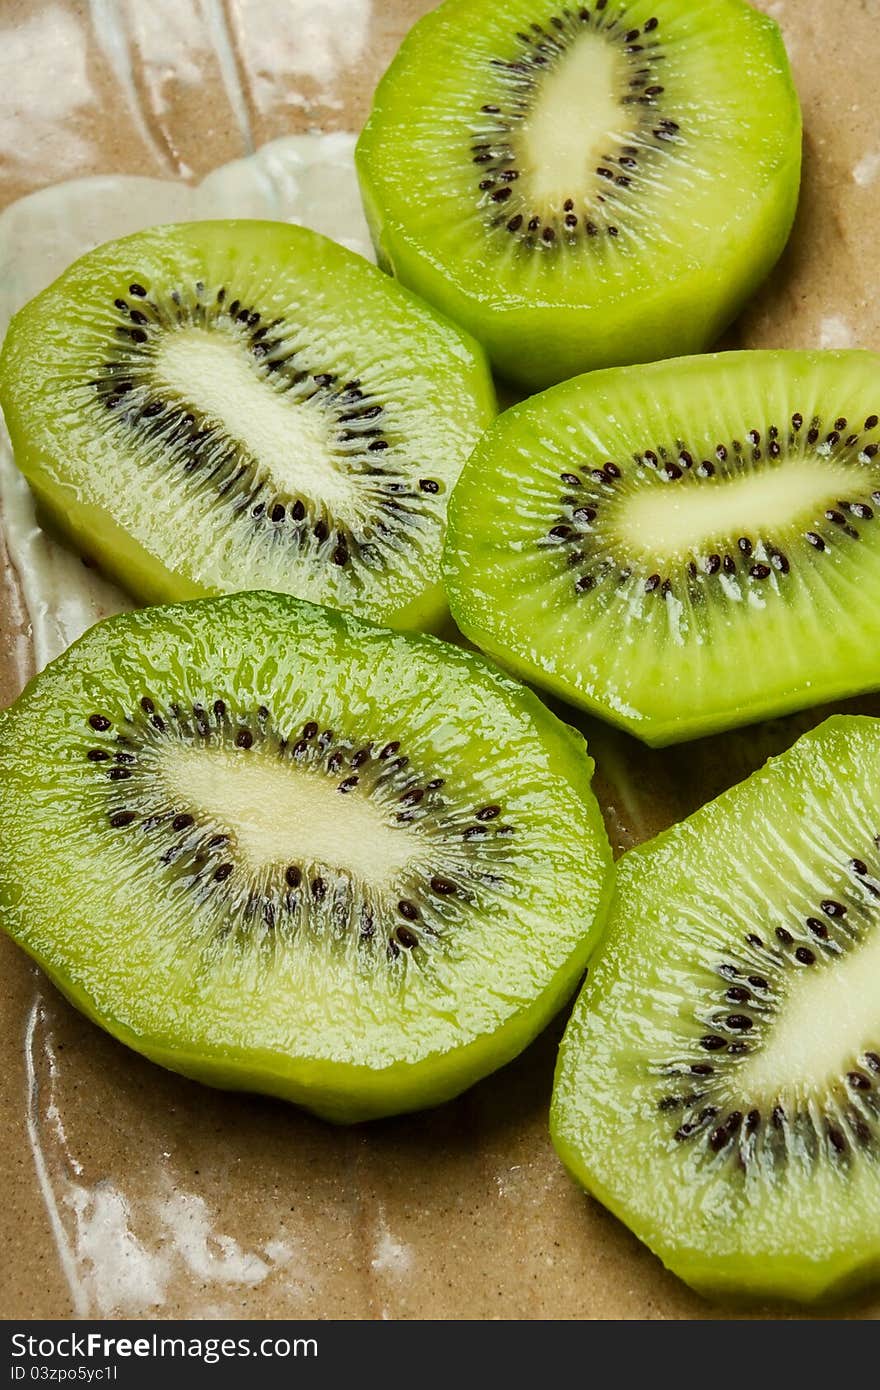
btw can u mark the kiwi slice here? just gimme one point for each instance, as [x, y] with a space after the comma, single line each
[222, 406]
[681, 547]
[589, 185]
[276, 848]
[718, 1084]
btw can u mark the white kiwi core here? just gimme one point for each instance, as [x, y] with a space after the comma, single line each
[577, 110]
[289, 438]
[679, 517]
[288, 815]
[828, 1017]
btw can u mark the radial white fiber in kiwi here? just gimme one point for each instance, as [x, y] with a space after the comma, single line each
[296, 853]
[718, 1085]
[220, 406]
[584, 185]
[682, 547]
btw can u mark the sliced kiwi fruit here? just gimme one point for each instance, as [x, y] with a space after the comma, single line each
[718, 1084]
[584, 186]
[222, 406]
[276, 848]
[681, 547]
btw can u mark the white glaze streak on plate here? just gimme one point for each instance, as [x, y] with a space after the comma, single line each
[307, 179]
[119, 1256]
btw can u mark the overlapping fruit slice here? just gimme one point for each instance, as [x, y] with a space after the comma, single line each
[276, 848]
[681, 547]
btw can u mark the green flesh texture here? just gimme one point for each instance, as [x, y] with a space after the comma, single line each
[576, 193]
[764, 905]
[223, 406]
[364, 879]
[683, 547]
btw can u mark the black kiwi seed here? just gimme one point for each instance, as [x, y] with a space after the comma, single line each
[99, 722]
[293, 876]
[122, 818]
[443, 886]
[832, 908]
[858, 1080]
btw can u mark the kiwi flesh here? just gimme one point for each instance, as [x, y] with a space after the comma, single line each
[279, 849]
[718, 1085]
[221, 406]
[584, 186]
[681, 547]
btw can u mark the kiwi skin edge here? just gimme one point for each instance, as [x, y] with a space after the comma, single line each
[129, 564]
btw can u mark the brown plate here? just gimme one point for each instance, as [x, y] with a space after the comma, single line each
[129, 1191]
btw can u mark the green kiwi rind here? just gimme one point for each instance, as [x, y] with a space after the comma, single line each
[348, 1030]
